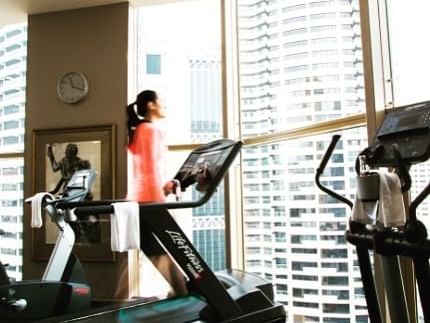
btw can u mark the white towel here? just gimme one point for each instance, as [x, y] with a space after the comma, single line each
[125, 227]
[390, 208]
[36, 208]
[364, 212]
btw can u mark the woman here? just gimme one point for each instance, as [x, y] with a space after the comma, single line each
[148, 150]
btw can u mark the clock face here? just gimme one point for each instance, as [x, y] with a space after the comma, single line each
[72, 87]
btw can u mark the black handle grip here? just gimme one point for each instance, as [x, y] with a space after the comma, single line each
[402, 168]
[321, 168]
[327, 154]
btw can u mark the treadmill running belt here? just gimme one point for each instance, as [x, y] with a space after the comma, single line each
[178, 310]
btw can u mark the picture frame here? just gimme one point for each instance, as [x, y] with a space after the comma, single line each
[95, 149]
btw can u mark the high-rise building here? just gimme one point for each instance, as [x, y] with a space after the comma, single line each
[300, 63]
[13, 52]
[205, 106]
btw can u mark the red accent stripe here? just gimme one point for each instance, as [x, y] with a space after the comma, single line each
[81, 290]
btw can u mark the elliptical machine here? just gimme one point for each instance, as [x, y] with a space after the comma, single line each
[63, 287]
[402, 139]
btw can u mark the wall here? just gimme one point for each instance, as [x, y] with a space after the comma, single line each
[95, 42]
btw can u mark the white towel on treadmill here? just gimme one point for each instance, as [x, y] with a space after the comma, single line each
[36, 208]
[125, 226]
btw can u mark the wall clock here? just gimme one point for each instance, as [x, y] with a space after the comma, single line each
[72, 87]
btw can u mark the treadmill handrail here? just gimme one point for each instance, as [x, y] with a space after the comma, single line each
[105, 206]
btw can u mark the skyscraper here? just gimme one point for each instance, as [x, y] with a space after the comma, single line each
[300, 63]
[13, 43]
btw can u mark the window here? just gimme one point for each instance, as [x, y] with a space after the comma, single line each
[408, 66]
[12, 98]
[297, 156]
[153, 64]
[179, 56]
[299, 66]
[188, 50]
[408, 62]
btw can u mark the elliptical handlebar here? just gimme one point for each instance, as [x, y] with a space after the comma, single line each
[417, 201]
[403, 172]
[327, 154]
[321, 169]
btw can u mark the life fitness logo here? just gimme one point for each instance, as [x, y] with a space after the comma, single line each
[194, 265]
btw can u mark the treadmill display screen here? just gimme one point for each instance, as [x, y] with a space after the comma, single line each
[81, 179]
[202, 167]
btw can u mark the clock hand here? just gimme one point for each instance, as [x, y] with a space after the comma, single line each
[71, 82]
[73, 85]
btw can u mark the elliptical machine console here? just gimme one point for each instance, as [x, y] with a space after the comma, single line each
[408, 128]
[63, 287]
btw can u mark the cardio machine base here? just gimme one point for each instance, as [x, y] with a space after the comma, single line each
[35, 300]
[189, 308]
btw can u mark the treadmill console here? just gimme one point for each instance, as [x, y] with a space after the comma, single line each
[80, 184]
[206, 165]
[409, 128]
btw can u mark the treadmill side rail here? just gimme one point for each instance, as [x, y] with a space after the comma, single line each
[189, 260]
[60, 254]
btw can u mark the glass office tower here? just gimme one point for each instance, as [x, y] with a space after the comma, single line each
[13, 52]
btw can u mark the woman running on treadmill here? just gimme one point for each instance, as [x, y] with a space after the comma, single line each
[148, 151]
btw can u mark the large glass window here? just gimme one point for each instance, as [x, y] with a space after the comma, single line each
[299, 66]
[300, 74]
[179, 56]
[11, 189]
[301, 229]
[409, 66]
[13, 44]
[408, 52]
[420, 175]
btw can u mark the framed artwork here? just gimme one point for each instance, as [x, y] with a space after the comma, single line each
[57, 154]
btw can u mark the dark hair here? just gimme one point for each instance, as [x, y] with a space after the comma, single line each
[137, 111]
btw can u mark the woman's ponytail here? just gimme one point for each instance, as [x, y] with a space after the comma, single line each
[132, 121]
[138, 110]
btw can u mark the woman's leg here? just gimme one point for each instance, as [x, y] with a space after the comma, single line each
[171, 274]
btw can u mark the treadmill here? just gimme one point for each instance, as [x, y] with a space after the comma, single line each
[226, 296]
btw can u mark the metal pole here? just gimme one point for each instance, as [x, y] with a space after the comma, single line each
[394, 289]
[368, 285]
[422, 272]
